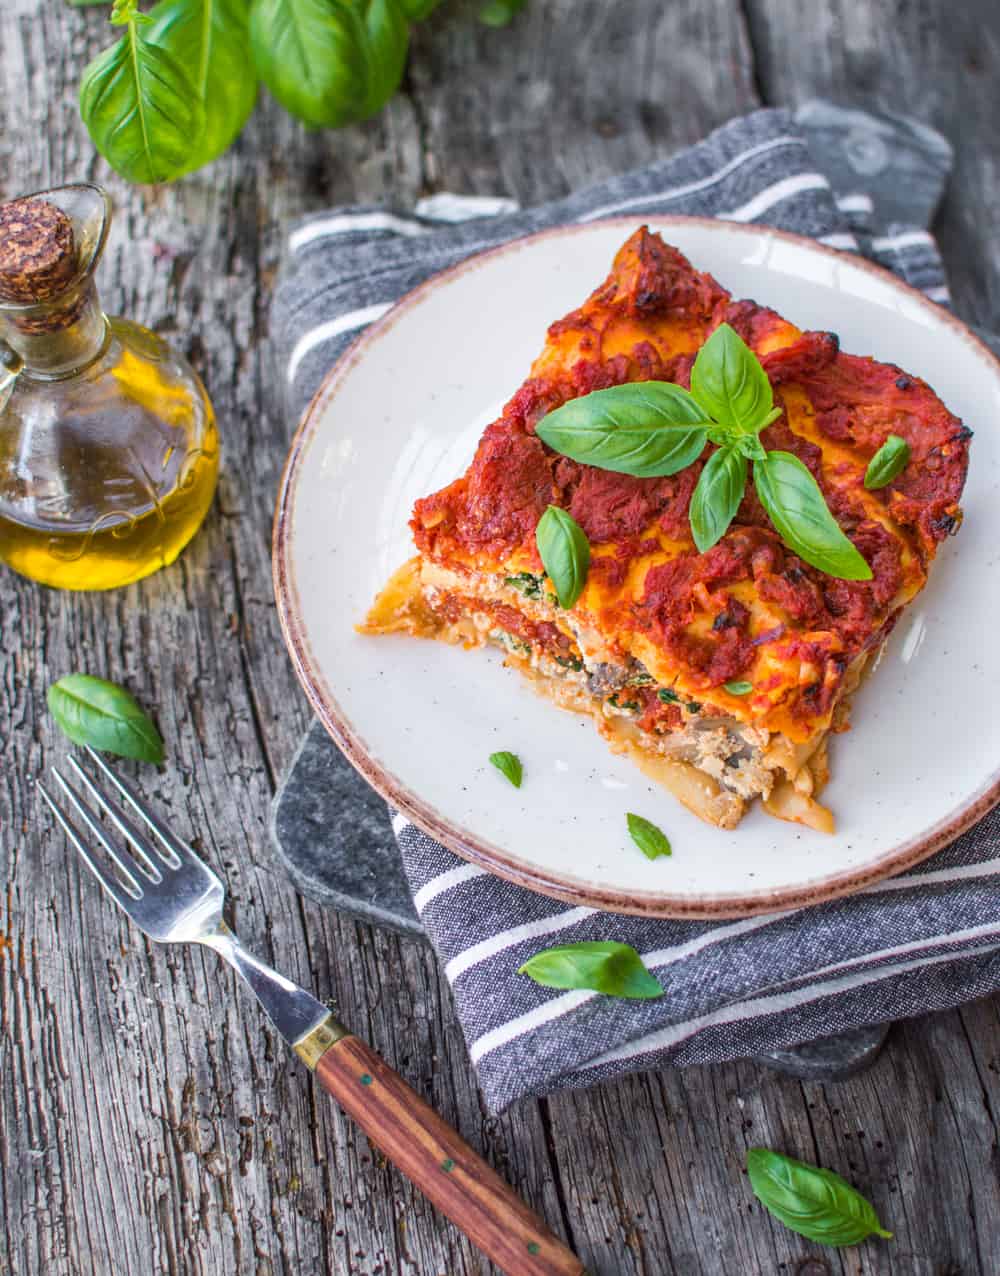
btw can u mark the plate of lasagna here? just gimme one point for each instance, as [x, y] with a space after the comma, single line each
[724, 564]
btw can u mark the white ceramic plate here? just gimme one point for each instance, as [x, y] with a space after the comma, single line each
[400, 416]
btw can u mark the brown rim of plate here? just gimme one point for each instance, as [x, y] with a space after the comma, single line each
[463, 842]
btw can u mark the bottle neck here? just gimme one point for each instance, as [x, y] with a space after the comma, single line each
[58, 341]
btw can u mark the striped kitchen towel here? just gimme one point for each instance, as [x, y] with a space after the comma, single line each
[925, 940]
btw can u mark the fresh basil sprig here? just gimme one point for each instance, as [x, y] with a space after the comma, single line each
[655, 428]
[891, 458]
[565, 553]
[508, 764]
[598, 965]
[107, 717]
[652, 841]
[817, 1204]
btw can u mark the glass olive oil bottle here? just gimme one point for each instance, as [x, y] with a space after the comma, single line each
[109, 452]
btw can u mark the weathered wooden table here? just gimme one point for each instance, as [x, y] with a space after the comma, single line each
[152, 1121]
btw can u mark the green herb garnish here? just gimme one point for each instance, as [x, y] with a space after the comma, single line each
[601, 966]
[508, 764]
[92, 711]
[668, 696]
[525, 583]
[739, 688]
[565, 553]
[817, 1204]
[569, 662]
[693, 706]
[632, 705]
[891, 458]
[653, 842]
[655, 428]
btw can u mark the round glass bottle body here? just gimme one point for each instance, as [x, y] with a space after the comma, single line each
[107, 473]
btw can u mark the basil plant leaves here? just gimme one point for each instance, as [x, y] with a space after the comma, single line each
[174, 92]
[654, 428]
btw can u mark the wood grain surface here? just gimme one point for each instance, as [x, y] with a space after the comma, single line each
[152, 1122]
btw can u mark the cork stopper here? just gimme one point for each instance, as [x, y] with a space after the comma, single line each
[38, 255]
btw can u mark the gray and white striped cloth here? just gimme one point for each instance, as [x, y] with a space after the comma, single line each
[925, 940]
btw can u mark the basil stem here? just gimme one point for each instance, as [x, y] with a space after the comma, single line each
[599, 965]
[565, 553]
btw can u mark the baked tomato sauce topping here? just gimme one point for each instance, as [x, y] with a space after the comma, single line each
[647, 321]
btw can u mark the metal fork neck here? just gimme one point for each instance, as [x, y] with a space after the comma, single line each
[292, 1010]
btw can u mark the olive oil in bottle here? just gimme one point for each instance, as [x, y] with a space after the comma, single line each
[109, 451]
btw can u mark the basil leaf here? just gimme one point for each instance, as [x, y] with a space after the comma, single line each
[105, 716]
[600, 965]
[329, 62]
[750, 446]
[816, 1203]
[717, 496]
[739, 688]
[498, 13]
[139, 104]
[418, 10]
[211, 38]
[508, 764]
[646, 429]
[565, 553]
[653, 842]
[795, 505]
[729, 383]
[888, 461]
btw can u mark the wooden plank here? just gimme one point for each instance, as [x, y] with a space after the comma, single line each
[929, 58]
[150, 1119]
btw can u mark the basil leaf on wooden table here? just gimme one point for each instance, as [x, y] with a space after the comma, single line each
[646, 428]
[717, 496]
[728, 381]
[508, 764]
[139, 104]
[598, 965]
[795, 505]
[498, 13]
[652, 841]
[817, 1204]
[105, 716]
[891, 458]
[211, 38]
[565, 553]
[329, 62]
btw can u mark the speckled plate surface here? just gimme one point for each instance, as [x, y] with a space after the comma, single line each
[400, 415]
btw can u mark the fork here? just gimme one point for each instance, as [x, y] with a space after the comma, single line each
[174, 897]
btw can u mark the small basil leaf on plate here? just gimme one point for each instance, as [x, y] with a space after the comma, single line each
[508, 764]
[105, 716]
[817, 1204]
[717, 496]
[600, 965]
[739, 688]
[888, 461]
[646, 429]
[729, 383]
[795, 505]
[565, 553]
[652, 841]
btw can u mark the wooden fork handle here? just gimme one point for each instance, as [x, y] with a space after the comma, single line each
[440, 1163]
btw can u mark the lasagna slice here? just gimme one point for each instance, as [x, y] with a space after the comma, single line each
[721, 674]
